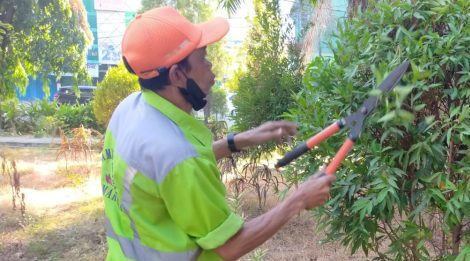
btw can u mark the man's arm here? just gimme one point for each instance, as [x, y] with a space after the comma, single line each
[255, 232]
[267, 132]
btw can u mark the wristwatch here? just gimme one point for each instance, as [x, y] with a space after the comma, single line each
[231, 142]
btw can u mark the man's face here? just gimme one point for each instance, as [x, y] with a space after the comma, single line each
[201, 70]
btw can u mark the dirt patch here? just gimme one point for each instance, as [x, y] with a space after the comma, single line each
[298, 240]
[65, 220]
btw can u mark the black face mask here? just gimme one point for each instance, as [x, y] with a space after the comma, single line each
[193, 94]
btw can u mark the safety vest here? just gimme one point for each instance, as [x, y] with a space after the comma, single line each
[161, 187]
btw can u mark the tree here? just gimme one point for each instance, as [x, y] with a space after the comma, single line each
[273, 71]
[219, 102]
[194, 10]
[321, 22]
[39, 38]
[403, 192]
[117, 84]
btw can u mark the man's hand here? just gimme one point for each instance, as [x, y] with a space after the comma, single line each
[315, 191]
[270, 131]
[312, 193]
[275, 131]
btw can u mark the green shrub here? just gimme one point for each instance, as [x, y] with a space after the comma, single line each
[28, 117]
[8, 115]
[41, 117]
[45, 118]
[74, 115]
[116, 85]
[404, 191]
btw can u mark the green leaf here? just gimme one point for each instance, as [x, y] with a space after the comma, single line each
[419, 107]
[360, 204]
[375, 92]
[464, 254]
[388, 117]
[382, 194]
[403, 91]
[438, 196]
[418, 16]
[406, 115]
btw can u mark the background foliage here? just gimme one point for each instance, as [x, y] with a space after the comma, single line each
[273, 72]
[117, 84]
[404, 191]
[44, 118]
[39, 38]
[219, 103]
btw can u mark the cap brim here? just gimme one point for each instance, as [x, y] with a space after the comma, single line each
[213, 31]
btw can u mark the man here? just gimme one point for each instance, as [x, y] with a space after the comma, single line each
[163, 196]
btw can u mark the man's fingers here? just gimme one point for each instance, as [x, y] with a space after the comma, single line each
[324, 178]
[290, 127]
[272, 131]
[328, 179]
[319, 174]
[274, 135]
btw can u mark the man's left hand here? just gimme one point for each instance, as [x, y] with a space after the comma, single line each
[276, 131]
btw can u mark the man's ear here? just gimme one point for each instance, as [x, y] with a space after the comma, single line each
[176, 76]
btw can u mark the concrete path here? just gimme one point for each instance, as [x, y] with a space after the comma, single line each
[29, 141]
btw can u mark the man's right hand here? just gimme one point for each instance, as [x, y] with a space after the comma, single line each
[316, 190]
[312, 193]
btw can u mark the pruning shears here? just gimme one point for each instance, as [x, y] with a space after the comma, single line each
[355, 121]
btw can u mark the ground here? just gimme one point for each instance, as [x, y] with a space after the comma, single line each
[64, 215]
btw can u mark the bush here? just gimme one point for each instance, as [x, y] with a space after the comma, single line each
[116, 85]
[75, 115]
[405, 184]
[44, 117]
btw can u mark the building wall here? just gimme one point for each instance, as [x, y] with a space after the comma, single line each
[92, 55]
[112, 18]
[35, 91]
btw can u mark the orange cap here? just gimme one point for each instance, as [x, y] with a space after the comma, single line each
[162, 37]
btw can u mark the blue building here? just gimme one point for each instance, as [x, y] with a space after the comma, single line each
[35, 90]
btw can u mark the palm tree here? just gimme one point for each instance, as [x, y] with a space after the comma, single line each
[354, 5]
[78, 8]
[231, 6]
[318, 25]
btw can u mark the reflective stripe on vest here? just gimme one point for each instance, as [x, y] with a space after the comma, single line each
[133, 249]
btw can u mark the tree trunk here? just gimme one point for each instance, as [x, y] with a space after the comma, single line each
[354, 5]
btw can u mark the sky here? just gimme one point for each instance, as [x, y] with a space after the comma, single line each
[134, 4]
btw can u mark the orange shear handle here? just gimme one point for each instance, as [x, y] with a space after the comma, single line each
[309, 144]
[339, 157]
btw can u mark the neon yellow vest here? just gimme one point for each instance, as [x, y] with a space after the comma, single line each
[163, 196]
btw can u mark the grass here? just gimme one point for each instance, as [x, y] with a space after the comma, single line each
[79, 225]
[73, 233]
[64, 216]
